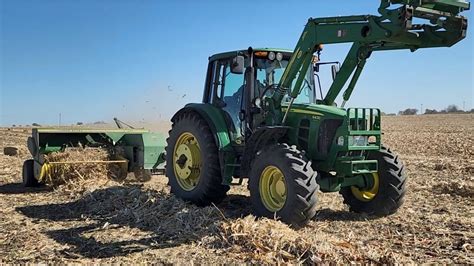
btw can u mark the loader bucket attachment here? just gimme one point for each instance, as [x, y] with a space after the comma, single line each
[453, 7]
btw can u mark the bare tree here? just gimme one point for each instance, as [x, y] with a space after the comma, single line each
[452, 109]
[408, 111]
[430, 111]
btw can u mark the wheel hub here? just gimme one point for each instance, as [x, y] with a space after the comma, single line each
[280, 188]
[187, 155]
[369, 193]
[187, 161]
[272, 188]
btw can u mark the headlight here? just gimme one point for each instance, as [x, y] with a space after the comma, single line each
[340, 141]
[358, 140]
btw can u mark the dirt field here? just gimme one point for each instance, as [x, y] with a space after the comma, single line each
[132, 222]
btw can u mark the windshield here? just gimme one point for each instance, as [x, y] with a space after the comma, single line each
[269, 72]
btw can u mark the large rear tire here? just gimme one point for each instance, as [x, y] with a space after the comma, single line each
[388, 188]
[283, 185]
[192, 162]
[28, 174]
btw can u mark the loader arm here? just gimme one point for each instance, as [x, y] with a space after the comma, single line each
[394, 29]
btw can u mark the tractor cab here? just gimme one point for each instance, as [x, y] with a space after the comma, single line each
[237, 83]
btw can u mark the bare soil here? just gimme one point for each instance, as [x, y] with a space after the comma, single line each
[108, 221]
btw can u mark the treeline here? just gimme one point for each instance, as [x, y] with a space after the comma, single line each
[451, 109]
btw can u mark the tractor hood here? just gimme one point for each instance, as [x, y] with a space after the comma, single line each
[325, 132]
[316, 110]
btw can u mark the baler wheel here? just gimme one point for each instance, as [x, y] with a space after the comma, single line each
[29, 179]
[192, 162]
[283, 185]
[387, 191]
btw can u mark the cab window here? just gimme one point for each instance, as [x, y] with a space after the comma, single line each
[228, 91]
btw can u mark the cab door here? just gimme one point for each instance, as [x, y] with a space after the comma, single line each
[226, 91]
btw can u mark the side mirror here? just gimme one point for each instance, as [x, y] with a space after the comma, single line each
[237, 66]
[334, 70]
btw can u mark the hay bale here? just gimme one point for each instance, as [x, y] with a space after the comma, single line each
[75, 174]
[10, 151]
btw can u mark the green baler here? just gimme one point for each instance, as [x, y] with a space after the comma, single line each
[140, 150]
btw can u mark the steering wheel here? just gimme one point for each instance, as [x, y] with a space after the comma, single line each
[258, 100]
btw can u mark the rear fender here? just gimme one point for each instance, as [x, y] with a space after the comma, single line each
[216, 121]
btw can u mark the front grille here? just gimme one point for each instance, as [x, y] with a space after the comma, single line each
[327, 131]
[303, 134]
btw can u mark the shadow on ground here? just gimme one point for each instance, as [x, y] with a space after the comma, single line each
[18, 188]
[340, 215]
[104, 223]
[163, 220]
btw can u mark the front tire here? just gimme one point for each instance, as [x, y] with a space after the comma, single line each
[283, 185]
[388, 188]
[192, 160]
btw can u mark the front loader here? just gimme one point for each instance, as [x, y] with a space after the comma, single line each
[261, 118]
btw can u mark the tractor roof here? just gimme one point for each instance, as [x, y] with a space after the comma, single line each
[233, 53]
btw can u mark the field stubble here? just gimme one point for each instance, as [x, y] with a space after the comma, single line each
[110, 221]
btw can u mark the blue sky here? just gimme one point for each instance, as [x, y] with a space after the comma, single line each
[142, 60]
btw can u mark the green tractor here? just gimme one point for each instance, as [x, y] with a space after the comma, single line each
[264, 117]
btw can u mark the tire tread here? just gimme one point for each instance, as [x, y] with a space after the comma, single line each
[305, 185]
[212, 191]
[392, 196]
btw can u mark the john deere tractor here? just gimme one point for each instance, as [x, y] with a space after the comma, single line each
[264, 117]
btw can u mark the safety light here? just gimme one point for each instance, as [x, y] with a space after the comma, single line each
[271, 56]
[279, 56]
[359, 141]
[261, 54]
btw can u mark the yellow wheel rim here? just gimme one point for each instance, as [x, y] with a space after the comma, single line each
[367, 194]
[187, 161]
[272, 188]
